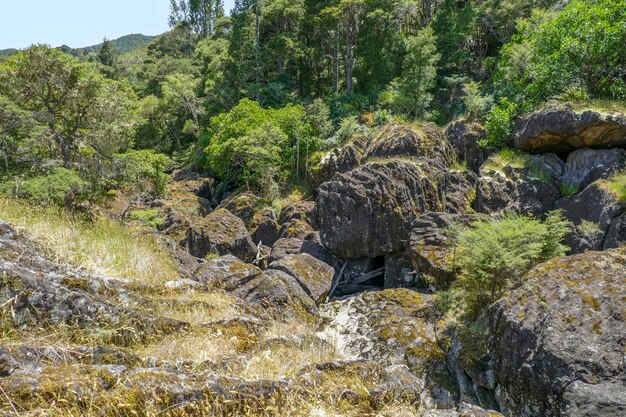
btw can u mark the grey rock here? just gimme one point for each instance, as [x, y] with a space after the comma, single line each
[314, 276]
[560, 129]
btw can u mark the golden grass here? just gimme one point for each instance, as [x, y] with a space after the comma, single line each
[100, 246]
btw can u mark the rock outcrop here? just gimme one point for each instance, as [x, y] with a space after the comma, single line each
[368, 211]
[558, 341]
[464, 138]
[560, 129]
[222, 233]
[314, 276]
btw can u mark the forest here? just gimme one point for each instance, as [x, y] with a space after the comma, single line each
[255, 97]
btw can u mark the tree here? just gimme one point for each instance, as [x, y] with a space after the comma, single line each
[200, 15]
[411, 93]
[107, 55]
[71, 100]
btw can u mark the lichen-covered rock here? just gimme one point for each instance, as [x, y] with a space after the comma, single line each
[560, 334]
[296, 229]
[394, 326]
[525, 190]
[397, 140]
[277, 293]
[585, 166]
[223, 233]
[594, 213]
[285, 247]
[368, 212]
[314, 276]
[264, 228]
[560, 129]
[460, 191]
[398, 271]
[429, 249]
[338, 160]
[299, 210]
[243, 205]
[464, 138]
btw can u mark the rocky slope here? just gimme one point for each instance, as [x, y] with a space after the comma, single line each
[327, 307]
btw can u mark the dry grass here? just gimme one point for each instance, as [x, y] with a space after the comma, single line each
[195, 308]
[100, 246]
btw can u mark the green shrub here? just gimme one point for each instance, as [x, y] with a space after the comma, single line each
[145, 165]
[492, 256]
[617, 184]
[499, 125]
[569, 188]
[149, 217]
[58, 186]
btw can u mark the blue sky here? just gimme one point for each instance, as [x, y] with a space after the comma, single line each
[79, 23]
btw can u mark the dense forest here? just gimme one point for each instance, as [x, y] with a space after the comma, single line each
[254, 97]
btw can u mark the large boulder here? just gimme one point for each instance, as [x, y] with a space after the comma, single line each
[529, 187]
[558, 341]
[398, 140]
[585, 166]
[243, 205]
[285, 247]
[314, 276]
[464, 138]
[275, 292]
[264, 228]
[222, 233]
[368, 211]
[594, 213]
[560, 129]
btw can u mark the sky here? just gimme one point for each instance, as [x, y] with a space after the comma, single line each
[79, 23]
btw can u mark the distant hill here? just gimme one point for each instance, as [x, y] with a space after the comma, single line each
[122, 45]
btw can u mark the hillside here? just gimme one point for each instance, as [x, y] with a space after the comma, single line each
[122, 45]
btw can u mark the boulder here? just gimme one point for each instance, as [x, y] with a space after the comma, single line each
[264, 228]
[560, 129]
[296, 229]
[397, 140]
[368, 211]
[560, 335]
[398, 271]
[285, 247]
[314, 276]
[243, 205]
[460, 191]
[338, 160]
[464, 137]
[299, 210]
[221, 232]
[429, 249]
[585, 166]
[277, 293]
[594, 213]
[528, 189]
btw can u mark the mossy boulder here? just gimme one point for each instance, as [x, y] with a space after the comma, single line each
[559, 337]
[368, 212]
[464, 138]
[243, 205]
[223, 233]
[314, 276]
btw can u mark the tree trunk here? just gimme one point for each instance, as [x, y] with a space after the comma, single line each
[349, 62]
[257, 51]
[66, 152]
[336, 67]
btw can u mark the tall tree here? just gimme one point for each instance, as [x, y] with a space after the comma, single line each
[200, 15]
[72, 101]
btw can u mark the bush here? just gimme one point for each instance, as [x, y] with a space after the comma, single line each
[492, 256]
[145, 165]
[617, 184]
[59, 186]
[150, 217]
[499, 125]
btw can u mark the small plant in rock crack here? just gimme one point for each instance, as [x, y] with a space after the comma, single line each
[569, 188]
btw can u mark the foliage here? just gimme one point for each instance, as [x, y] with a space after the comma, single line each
[569, 188]
[145, 165]
[476, 104]
[411, 93]
[58, 186]
[617, 184]
[258, 147]
[499, 125]
[149, 217]
[492, 256]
